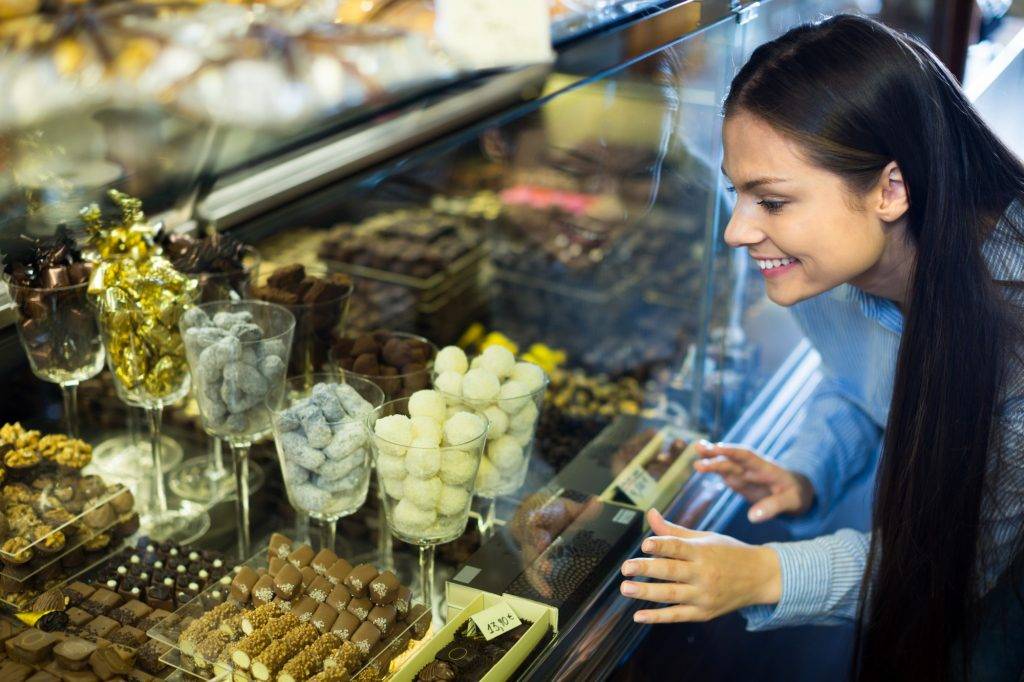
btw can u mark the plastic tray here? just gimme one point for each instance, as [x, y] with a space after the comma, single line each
[114, 489]
[36, 566]
[29, 594]
[168, 632]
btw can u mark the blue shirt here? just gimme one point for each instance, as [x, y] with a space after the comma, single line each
[858, 337]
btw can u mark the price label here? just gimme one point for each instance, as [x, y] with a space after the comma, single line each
[486, 34]
[496, 620]
[639, 487]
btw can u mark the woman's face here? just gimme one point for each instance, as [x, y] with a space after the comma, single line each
[800, 223]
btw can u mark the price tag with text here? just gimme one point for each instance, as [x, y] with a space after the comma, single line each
[487, 34]
[496, 620]
[639, 486]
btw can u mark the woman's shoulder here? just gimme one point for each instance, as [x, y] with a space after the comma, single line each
[1003, 249]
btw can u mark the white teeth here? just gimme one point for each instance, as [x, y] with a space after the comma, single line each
[772, 263]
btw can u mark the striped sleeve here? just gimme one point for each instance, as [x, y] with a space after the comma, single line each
[821, 581]
[837, 441]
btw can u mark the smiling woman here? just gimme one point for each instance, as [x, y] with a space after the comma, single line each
[880, 207]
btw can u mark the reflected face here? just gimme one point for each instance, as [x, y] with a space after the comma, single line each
[800, 223]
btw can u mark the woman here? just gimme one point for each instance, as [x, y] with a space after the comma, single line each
[877, 204]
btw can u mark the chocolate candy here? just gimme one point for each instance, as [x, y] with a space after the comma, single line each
[242, 585]
[319, 589]
[129, 637]
[301, 556]
[77, 592]
[280, 546]
[107, 662]
[258, 618]
[304, 608]
[308, 576]
[420, 619]
[31, 645]
[101, 626]
[310, 659]
[399, 364]
[131, 612]
[273, 658]
[78, 617]
[339, 571]
[324, 559]
[249, 647]
[384, 588]
[288, 582]
[149, 655]
[276, 564]
[345, 625]
[101, 601]
[323, 618]
[360, 578]
[339, 598]
[263, 590]
[383, 617]
[14, 671]
[73, 654]
[359, 607]
[365, 637]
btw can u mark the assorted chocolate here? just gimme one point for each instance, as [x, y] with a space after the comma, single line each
[665, 458]
[399, 363]
[469, 656]
[416, 242]
[163, 576]
[319, 305]
[53, 518]
[306, 615]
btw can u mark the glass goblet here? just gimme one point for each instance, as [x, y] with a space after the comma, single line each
[323, 446]
[395, 386]
[316, 325]
[151, 380]
[427, 490]
[512, 424]
[57, 328]
[205, 479]
[237, 354]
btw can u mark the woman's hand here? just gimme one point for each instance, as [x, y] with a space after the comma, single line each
[705, 575]
[770, 489]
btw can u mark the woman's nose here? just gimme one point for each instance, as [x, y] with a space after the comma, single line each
[742, 232]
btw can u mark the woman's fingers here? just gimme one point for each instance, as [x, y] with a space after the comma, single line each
[681, 613]
[668, 547]
[662, 527]
[659, 569]
[662, 593]
[718, 465]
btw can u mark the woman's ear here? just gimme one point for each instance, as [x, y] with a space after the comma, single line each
[893, 199]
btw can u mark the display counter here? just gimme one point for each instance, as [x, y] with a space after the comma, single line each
[540, 246]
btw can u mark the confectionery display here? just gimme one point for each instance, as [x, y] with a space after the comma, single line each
[665, 457]
[400, 364]
[55, 520]
[427, 460]
[509, 393]
[470, 655]
[297, 614]
[224, 266]
[324, 448]
[48, 282]
[238, 353]
[319, 305]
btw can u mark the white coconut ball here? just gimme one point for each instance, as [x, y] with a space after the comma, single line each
[453, 410]
[529, 375]
[522, 437]
[487, 476]
[427, 403]
[449, 382]
[461, 428]
[506, 453]
[514, 396]
[457, 466]
[427, 430]
[497, 422]
[448, 525]
[451, 359]
[395, 487]
[498, 360]
[412, 519]
[453, 500]
[481, 385]
[423, 462]
[424, 493]
[397, 430]
[525, 418]
[390, 466]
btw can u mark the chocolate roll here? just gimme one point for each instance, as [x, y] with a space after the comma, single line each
[263, 590]
[280, 545]
[323, 618]
[339, 598]
[383, 617]
[324, 559]
[242, 584]
[339, 571]
[319, 589]
[288, 582]
[273, 658]
[304, 608]
[360, 578]
[359, 607]
[365, 637]
[301, 556]
[258, 618]
[345, 625]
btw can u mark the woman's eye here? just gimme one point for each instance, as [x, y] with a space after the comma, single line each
[771, 206]
[730, 189]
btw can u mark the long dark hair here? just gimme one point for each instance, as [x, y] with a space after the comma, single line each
[856, 96]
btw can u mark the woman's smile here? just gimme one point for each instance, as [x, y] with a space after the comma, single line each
[775, 267]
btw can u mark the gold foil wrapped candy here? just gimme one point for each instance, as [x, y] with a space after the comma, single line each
[141, 297]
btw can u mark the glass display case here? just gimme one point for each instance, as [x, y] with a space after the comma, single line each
[568, 213]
